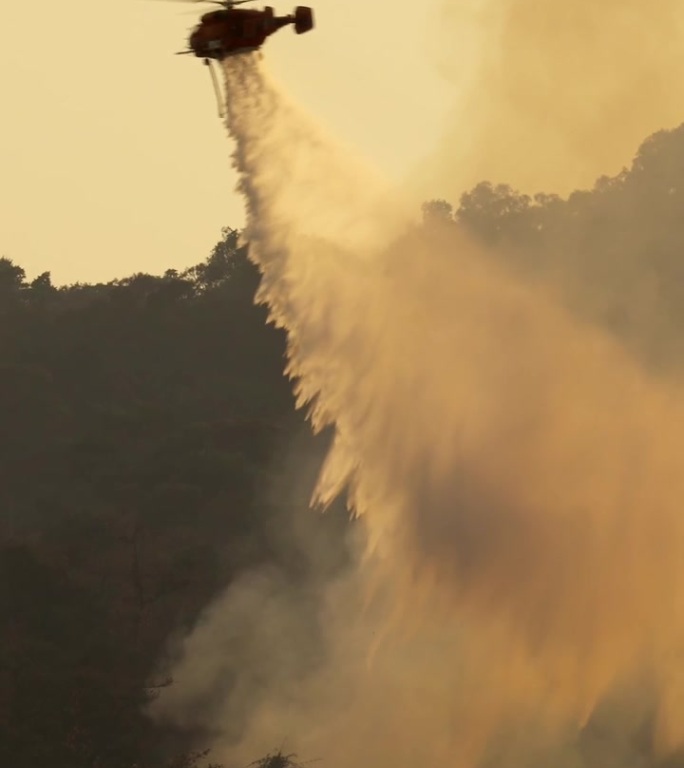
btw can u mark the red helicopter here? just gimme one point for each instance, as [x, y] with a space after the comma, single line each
[232, 31]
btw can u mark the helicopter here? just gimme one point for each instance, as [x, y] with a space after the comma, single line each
[231, 31]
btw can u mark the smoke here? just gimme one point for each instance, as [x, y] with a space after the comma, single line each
[550, 95]
[516, 472]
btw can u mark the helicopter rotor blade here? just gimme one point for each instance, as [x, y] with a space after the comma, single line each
[193, 2]
[222, 3]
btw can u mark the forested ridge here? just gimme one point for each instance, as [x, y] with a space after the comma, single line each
[146, 422]
[141, 422]
[614, 253]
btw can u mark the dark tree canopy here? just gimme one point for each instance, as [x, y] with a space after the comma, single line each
[142, 422]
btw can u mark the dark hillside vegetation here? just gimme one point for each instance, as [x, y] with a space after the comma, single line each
[143, 422]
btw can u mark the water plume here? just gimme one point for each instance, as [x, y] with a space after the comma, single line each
[517, 473]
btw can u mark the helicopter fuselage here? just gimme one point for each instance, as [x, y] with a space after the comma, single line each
[231, 31]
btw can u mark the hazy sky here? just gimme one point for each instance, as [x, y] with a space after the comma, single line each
[549, 94]
[112, 158]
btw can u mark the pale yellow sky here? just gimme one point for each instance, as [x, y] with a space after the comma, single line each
[112, 158]
[549, 94]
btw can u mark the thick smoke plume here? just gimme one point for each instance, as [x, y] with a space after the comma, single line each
[517, 474]
[550, 95]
